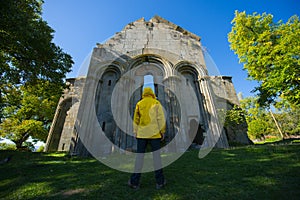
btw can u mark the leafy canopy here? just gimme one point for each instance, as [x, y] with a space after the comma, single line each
[32, 71]
[261, 123]
[27, 52]
[271, 54]
[30, 114]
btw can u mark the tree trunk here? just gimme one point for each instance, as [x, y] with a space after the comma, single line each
[20, 141]
[277, 125]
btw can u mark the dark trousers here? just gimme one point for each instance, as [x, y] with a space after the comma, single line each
[141, 148]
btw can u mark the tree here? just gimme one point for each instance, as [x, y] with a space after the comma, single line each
[31, 114]
[32, 71]
[252, 108]
[258, 119]
[257, 128]
[271, 54]
[19, 131]
[234, 116]
[27, 53]
[288, 117]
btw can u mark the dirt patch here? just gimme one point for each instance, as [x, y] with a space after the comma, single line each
[72, 192]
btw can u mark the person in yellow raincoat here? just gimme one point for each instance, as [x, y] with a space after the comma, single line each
[149, 126]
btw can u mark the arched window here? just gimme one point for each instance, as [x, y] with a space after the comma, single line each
[148, 82]
[187, 81]
[103, 126]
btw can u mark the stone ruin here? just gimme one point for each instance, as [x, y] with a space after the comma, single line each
[162, 50]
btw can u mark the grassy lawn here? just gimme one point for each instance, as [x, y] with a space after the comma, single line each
[252, 172]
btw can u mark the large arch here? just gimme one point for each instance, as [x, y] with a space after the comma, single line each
[108, 78]
[194, 69]
[191, 74]
[164, 65]
[60, 129]
[198, 77]
[148, 64]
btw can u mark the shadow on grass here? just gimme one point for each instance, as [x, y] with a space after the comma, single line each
[252, 172]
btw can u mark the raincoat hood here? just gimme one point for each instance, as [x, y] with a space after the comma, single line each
[149, 120]
[148, 92]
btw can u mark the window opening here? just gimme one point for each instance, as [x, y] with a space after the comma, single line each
[103, 126]
[149, 82]
[187, 81]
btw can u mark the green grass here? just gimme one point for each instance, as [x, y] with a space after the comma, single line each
[251, 172]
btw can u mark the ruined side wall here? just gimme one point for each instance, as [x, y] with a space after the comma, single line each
[224, 89]
[236, 133]
[62, 135]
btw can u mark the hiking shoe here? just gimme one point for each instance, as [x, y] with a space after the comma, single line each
[161, 186]
[136, 187]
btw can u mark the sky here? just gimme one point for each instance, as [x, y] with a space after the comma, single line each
[80, 24]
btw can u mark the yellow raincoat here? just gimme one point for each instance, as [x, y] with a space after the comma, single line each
[149, 120]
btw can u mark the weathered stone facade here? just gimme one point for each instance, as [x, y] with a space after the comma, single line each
[158, 48]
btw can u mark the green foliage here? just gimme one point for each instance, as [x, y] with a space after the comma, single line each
[31, 115]
[41, 149]
[271, 54]
[261, 124]
[27, 53]
[7, 146]
[19, 131]
[258, 119]
[32, 71]
[288, 117]
[235, 116]
[257, 128]
[251, 106]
